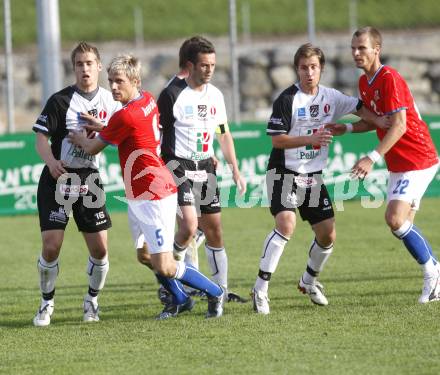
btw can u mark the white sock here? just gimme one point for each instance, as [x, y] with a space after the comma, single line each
[273, 248]
[218, 262]
[429, 267]
[179, 252]
[48, 272]
[318, 256]
[97, 270]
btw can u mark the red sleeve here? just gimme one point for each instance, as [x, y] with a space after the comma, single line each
[117, 129]
[394, 93]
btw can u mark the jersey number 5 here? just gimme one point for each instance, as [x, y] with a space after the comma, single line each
[159, 237]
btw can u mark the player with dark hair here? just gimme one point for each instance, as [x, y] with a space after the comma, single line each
[149, 186]
[192, 110]
[294, 173]
[70, 181]
[407, 147]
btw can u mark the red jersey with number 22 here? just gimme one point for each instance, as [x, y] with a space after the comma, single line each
[135, 130]
[387, 93]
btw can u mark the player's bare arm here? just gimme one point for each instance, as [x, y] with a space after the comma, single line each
[370, 117]
[91, 146]
[56, 167]
[322, 137]
[398, 127]
[356, 127]
[227, 146]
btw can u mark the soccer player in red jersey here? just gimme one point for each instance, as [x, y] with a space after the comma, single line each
[407, 147]
[149, 186]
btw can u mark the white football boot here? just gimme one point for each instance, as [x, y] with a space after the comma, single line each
[431, 287]
[91, 310]
[315, 292]
[260, 301]
[44, 313]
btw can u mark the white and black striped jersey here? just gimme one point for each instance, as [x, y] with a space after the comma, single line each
[189, 120]
[61, 115]
[296, 113]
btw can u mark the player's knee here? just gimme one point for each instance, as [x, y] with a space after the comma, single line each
[285, 227]
[166, 270]
[327, 239]
[393, 220]
[51, 250]
[144, 257]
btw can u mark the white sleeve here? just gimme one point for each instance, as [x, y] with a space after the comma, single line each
[344, 104]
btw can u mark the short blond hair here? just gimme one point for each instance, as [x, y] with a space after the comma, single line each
[127, 64]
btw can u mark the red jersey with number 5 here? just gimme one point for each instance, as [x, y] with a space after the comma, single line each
[387, 93]
[135, 130]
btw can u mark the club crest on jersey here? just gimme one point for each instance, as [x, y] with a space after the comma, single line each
[311, 147]
[189, 112]
[202, 111]
[202, 141]
[314, 110]
[376, 95]
[93, 112]
[213, 111]
[326, 108]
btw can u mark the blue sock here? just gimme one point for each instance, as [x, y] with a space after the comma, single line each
[428, 245]
[175, 287]
[190, 276]
[414, 241]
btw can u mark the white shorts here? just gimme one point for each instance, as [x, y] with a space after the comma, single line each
[410, 186]
[153, 222]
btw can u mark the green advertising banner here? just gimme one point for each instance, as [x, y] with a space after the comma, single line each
[20, 169]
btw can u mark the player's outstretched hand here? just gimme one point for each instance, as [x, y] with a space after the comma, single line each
[76, 137]
[362, 167]
[336, 129]
[93, 124]
[384, 122]
[322, 137]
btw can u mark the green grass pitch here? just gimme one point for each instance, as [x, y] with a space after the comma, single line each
[373, 324]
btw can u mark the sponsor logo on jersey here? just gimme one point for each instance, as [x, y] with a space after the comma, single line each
[73, 190]
[102, 115]
[149, 107]
[308, 155]
[202, 111]
[314, 110]
[301, 112]
[311, 147]
[78, 152]
[202, 141]
[42, 118]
